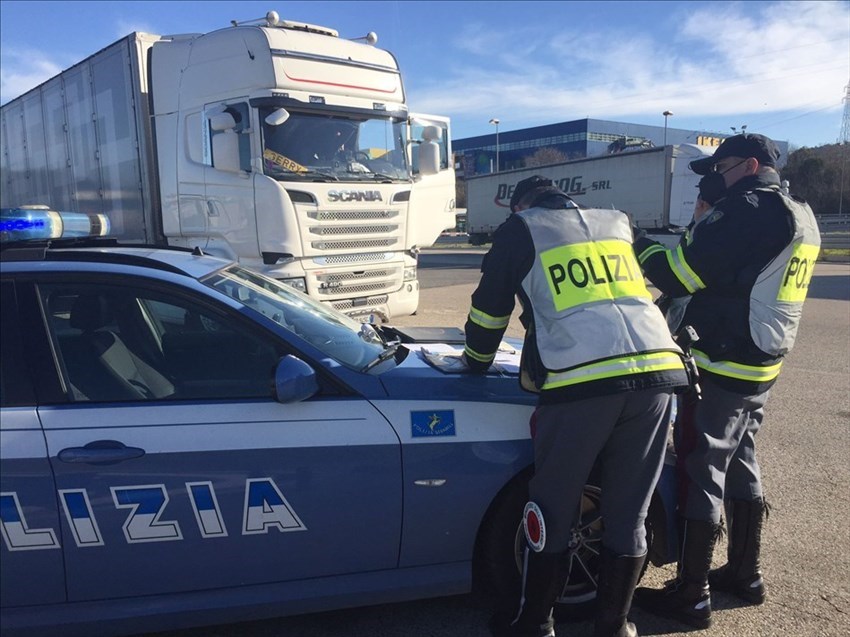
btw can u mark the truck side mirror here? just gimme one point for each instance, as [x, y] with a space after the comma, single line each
[429, 151]
[225, 142]
[220, 122]
[225, 151]
[294, 380]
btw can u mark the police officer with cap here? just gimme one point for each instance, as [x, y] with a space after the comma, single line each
[745, 273]
[599, 355]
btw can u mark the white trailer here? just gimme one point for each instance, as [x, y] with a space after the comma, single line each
[272, 142]
[655, 186]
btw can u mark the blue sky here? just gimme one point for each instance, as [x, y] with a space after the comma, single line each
[779, 67]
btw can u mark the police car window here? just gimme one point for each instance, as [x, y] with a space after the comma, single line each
[335, 334]
[119, 344]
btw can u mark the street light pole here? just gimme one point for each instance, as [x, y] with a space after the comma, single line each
[495, 122]
[666, 114]
[843, 149]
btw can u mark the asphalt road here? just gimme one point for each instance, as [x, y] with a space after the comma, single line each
[804, 451]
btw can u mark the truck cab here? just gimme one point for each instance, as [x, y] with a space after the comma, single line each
[296, 154]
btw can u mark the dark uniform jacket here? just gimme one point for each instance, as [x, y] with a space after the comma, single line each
[729, 248]
[504, 268]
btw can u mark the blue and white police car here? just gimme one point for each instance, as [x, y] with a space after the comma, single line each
[184, 442]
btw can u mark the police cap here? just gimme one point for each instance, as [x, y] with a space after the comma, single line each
[536, 184]
[744, 146]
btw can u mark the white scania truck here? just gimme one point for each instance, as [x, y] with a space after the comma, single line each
[273, 142]
[655, 186]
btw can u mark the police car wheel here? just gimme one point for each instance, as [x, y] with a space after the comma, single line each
[502, 542]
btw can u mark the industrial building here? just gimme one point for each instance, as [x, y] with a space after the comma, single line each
[509, 150]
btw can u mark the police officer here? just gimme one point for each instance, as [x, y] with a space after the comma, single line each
[745, 272]
[600, 356]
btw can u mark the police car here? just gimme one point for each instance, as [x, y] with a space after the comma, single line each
[186, 442]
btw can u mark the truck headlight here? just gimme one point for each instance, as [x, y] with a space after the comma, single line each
[410, 273]
[299, 283]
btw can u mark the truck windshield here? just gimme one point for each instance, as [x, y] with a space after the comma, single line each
[334, 147]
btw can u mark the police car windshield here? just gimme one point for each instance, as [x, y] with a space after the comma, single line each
[332, 332]
[334, 147]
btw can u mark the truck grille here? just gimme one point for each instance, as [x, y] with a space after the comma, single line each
[344, 306]
[327, 231]
[355, 290]
[359, 282]
[355, 245]
[368, 257]
[352, 215]
[348, 276]
[356, 254]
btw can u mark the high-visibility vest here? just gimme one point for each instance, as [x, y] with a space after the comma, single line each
[593, 315]
[776, 300]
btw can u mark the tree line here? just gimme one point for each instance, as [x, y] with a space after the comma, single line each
[821, 176]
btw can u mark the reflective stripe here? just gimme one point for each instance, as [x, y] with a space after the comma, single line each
[754, 373]
[687, 277]
[488, 322]
[635, 364]
[483, 358]
[653, 249]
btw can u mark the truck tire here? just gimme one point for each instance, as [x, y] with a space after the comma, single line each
[501, 541]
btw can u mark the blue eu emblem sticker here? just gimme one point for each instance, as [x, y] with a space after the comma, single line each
[424, 424]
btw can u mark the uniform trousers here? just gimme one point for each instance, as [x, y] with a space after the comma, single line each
[627, 434]
[716, 453]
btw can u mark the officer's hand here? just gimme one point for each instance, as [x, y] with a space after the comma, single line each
[700, 208]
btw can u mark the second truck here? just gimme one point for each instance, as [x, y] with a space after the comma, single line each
[654, 186]
[273, 142]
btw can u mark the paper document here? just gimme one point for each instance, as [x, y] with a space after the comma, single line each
[451, 361]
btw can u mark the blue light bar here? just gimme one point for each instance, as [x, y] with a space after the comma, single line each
[21, 224]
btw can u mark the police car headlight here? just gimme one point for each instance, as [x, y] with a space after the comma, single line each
[410, 274]
[299, 283]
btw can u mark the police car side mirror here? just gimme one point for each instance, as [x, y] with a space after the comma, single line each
[294, 380]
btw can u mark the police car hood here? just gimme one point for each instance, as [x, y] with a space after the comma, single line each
[429, 371]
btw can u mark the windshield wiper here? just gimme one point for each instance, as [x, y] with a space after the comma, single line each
[289, 174]
[383, 177]
[386, 355]
[318, 173]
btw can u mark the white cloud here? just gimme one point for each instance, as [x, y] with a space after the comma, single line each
[23, 69]
[124, 27]
[724, 58]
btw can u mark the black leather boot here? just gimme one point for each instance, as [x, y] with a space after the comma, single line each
[686, 598]
[540, 587]
[741, 575]
[618, 576]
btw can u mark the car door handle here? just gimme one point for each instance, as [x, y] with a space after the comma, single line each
[100, 452]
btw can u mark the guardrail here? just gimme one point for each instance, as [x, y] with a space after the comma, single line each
[839, 240]
[833, 223]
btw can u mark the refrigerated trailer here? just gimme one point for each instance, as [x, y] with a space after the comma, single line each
[273, 142]
[655, 186]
